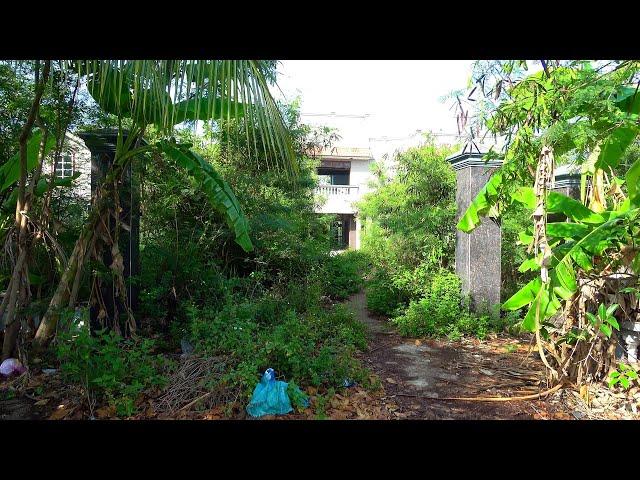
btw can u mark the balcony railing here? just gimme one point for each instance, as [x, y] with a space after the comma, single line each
[338, 190]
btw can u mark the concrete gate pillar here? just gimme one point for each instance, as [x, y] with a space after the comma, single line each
[478, 253]
[102, 144]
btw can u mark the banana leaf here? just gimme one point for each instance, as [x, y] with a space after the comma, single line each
[218, 191]
[10, 171]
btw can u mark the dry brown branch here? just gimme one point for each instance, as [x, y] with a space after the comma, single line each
[197, 379]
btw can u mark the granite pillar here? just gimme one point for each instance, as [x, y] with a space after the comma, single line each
[477, 253]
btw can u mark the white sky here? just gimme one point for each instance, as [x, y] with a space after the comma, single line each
[400, 96]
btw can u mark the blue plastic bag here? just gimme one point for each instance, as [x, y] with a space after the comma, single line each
[269, 397]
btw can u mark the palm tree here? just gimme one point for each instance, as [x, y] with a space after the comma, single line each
[166, 93]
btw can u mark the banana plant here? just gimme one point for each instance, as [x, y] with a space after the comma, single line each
[166, 93]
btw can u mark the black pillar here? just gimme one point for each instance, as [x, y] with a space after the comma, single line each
[102, 144]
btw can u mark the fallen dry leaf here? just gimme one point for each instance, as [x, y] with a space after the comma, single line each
[60, 413]
[105, 412]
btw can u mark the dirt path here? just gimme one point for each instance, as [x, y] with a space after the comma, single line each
[415, 372]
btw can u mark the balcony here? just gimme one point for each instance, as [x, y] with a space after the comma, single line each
[341, 190]
[338, 198]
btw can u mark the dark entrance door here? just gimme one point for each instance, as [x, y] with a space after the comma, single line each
[340, 229]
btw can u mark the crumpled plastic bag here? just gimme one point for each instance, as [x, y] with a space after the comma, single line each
[12, 366]
[270, 397]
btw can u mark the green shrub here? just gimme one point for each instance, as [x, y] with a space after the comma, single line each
[107, 366]
[343, 274]
[433, 313]
[382, 296]
[315, 348]
[443, 311]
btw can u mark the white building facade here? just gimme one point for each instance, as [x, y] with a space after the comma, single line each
[344, 175]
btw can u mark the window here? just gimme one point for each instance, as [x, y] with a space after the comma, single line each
[329, 177]
[64, 167]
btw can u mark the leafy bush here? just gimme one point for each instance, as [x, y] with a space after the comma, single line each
[443, 311]
[109, 367]
[315, 348]
[434, 313]
[343, 274]
[382, 296]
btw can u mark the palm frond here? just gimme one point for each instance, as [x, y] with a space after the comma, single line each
[169, 92]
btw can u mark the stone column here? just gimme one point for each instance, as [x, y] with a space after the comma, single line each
[478, 253]
[102, 144]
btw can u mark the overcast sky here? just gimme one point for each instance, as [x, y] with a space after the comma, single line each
[400, 97]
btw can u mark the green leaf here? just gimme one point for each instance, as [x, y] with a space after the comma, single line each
[529, 264]
[486, 198]
[524, 296]
[612, 308]
[615, 146]
[575, 210]
[613, 322]
[111, 88]
[10, 171]
[203, 109]
[526, 196]
[218, 191]
[567, 230]
[602, 311]
[592, 318]
[632, 179]
[525, 238]
[625, 382]
[543, 304]
[581, 258]
[563, 279]
[606, 329]
[559, 203]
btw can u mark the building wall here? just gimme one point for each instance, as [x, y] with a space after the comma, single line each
[81, 157]
[344, 202]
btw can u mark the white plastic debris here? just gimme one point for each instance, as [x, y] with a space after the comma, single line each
[12, 366]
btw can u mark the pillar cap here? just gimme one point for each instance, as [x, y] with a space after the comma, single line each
[567, 175]
[104, 139]
[466, 160]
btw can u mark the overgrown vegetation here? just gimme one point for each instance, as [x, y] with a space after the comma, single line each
[409, 235]
[583, 252]
[234, 259]
[109, 367]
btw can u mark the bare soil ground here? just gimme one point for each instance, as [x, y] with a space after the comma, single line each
[418, 374]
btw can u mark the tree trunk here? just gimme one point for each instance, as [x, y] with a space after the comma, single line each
[17, 294]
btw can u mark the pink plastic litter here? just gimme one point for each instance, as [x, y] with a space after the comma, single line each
[12, 366]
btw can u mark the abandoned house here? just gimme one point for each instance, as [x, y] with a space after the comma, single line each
[343, 177]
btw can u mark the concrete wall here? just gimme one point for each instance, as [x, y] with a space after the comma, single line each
[81, 157]
[359, 176]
